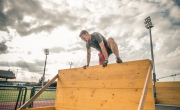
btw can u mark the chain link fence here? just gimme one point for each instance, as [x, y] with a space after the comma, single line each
[47, 98]
[12, 97]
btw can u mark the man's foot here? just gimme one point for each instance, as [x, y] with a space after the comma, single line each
[118, 60]
[105, 63]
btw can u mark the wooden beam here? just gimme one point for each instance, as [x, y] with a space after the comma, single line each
[41, 108]
[145, 89]
[24, 106]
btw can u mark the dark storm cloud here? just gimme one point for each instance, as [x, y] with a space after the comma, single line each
[32, 67]
[177, 2]
[3, 48]
[12, 13]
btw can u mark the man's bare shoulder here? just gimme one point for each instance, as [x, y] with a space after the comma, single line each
[95, 33]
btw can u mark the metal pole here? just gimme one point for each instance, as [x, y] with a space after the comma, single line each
[154, 75]
[70, 63]
[44, 72]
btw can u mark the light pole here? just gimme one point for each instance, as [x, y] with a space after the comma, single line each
[16, 73]
[70, 63]
[46, 52]
[149, 25]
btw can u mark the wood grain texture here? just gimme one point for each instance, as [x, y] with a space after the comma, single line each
[43, 108]
[168, 93]
[123, 75]
[168, 84]
[115, 87]
[145, 89]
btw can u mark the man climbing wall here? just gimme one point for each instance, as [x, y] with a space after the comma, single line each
[99, 42]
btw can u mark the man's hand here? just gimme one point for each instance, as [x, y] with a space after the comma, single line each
[85, 66]
[105, 63]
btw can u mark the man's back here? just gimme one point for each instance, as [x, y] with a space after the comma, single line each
[96, 39]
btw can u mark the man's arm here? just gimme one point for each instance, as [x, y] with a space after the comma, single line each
[88, 56]
[103, 48]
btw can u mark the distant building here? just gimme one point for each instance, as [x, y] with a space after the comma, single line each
[5, 75]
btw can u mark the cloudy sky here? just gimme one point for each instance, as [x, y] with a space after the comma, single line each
[27, 27]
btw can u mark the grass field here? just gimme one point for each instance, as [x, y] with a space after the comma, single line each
[12, 95]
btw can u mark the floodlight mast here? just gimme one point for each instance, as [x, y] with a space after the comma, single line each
[149, 25]
[46, 52]
[70, 63]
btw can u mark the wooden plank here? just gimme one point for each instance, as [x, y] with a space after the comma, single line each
[118, 99]
[135, 94]
[168, 90]
[167, 84]
[104, 84]
[168, 93]
[24, 106]
[167, 96]
[168, 101]
[124, 75]
[112, 107]
[41, 108]
[145, 89]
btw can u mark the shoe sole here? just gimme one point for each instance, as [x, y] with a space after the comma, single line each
[119, 61]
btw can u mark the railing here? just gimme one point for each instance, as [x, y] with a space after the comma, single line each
[12, 97]
[47, 98]
[24, 106]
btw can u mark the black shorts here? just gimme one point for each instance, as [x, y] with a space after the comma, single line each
[109, 51]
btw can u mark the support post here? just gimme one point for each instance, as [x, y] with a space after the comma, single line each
[152, 57]
[145, 89]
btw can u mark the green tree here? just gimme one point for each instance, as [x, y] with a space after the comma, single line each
[40, 80]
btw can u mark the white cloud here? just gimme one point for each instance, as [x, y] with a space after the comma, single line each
[175, 53]
[122, 20]
[174, 14]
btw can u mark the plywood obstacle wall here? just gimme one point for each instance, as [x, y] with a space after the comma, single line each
[168, 93]
[115, 87]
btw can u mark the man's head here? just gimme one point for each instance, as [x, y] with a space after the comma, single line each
[84, 35]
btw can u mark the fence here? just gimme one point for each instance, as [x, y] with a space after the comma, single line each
[12, 97]
[47, 98]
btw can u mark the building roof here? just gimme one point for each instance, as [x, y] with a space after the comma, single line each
[7, 74]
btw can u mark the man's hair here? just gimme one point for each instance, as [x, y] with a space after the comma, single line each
[82, 32]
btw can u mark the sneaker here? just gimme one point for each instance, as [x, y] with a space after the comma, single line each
[118, 60]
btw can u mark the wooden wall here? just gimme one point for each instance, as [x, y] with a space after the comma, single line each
[168, 93]
[115, 87]
[41, 108]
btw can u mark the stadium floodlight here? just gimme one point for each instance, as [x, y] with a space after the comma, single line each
[46, 52]
[70, 63]
[149, 25]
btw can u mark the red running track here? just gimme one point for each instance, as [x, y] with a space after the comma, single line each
[36, 104]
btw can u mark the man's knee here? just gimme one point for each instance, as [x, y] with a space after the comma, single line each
[110, 40]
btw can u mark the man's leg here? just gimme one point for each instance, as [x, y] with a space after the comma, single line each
[113, 46]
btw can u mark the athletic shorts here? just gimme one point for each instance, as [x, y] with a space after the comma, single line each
[101, 56]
